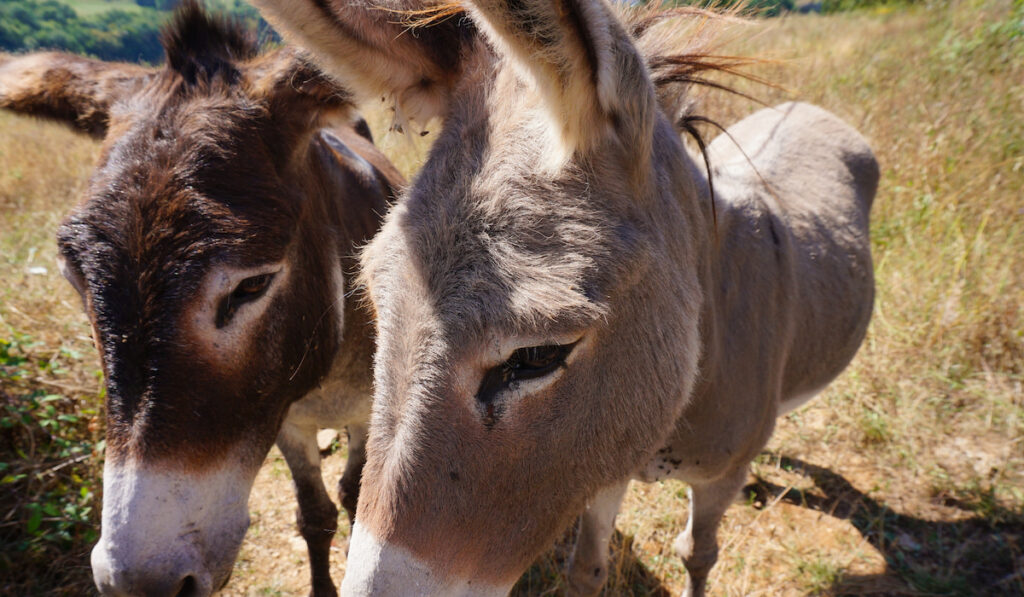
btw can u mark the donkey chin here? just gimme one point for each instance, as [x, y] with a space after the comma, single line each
[168, 532]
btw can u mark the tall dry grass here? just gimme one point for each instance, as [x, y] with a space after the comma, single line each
[904, 477]
[50, 405]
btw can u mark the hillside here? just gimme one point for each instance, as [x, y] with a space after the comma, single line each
[119, 30]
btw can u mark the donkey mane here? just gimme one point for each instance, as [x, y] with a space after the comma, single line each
[676, 63]
[204, 50]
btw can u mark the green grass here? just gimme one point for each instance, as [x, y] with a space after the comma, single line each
[88, 8]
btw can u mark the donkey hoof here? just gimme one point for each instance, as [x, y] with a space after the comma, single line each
[683, 545]
[587, 581]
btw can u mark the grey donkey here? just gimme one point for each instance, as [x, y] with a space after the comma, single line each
[559, 307]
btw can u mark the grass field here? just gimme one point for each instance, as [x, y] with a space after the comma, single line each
[905, 477]
[88, 8]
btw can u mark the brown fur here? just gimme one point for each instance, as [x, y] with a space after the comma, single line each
[218, 160]
[62, 87]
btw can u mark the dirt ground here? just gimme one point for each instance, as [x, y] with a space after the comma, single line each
[273, 560]
[811, 521]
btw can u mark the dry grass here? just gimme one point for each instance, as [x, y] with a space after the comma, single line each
[906, 476]
[50, 406]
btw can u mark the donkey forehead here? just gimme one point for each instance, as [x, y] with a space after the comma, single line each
[187, 131]
[483, 263]
[495, 236]
[161, 193]
[165, 244]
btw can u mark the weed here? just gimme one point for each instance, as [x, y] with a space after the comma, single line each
[51, 456]
[875, 427]
[819, 574]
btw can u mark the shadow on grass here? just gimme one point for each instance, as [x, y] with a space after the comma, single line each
[977, 555]
[628, 575]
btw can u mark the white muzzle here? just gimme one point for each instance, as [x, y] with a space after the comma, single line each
[169, 533]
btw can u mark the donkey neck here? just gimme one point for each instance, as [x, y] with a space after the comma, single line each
[348, 194]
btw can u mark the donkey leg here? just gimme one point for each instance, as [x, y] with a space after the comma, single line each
[588, 569]
[348, 486]
[317, 515]
[698, 544]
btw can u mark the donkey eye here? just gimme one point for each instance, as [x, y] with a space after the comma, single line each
[525, 363]
[535, 361]
[251, 288]
[247, 291]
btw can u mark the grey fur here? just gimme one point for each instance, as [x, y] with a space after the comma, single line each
[559, 205]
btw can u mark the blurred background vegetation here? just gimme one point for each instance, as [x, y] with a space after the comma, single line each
[107, 29]
[128, 30]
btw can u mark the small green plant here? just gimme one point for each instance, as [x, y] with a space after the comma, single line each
[819, 574]
[49, 470]
[841, 5]
[875, 427]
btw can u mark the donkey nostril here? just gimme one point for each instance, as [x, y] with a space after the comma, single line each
[188, 587]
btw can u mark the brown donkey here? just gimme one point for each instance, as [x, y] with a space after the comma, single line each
[558, 309]
[212, 252]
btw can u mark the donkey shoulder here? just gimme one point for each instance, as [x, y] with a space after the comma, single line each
[804, 162]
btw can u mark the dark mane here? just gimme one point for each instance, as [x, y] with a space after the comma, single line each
[201, 47]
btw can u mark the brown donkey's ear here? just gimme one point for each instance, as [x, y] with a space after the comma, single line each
[68, 88]
[298, 96]
[581, 59]
[368, 46]
[288, 77]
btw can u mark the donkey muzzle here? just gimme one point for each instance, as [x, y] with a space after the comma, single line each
[169, 533]
[170, 576]
[379, 569]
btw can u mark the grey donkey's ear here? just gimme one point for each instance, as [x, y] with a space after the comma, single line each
[68, 88]
[377, 48]
[583, 62]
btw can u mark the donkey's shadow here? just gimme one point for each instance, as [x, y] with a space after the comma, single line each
[629, 576]
[977, 555]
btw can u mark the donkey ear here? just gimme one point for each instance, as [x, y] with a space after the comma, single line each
[68, 88]
[370, 48]
[582, 61]
[298, 96]
[288, 76]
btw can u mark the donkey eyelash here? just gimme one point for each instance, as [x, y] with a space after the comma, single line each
[531, 362]
[247, 291]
